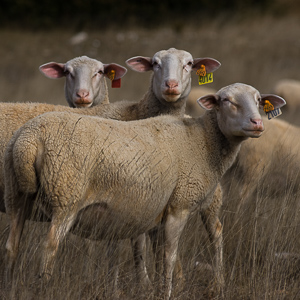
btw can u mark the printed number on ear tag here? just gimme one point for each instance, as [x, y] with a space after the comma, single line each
[204, 77]
[270, 111]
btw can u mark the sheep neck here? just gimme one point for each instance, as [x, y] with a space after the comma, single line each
[103, 93]
[224, 149]
[151, 105]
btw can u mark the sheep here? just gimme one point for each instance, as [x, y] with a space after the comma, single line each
[167, 66]
[14, 115]
[100, 175]
[167, 94]
[84, 86]
[260, 162]
[289, 89]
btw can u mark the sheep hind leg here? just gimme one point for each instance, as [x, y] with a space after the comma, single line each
[17, 221]
[214, 228]
[58, 229]
[18, 209]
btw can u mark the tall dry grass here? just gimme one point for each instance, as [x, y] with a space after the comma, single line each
[261, 231]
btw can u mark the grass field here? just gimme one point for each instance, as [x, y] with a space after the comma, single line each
[261, 232]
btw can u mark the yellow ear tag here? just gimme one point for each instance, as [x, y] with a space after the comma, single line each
[204, 77]
[270, 111]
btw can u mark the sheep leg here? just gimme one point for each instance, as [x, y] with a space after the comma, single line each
[17, 221]
[174, 224]
[58, 229]
[139, 246]
[214, 229]
[113, 264]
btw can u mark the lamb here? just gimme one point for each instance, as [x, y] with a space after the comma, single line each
[167, 94]
[131, 176]
[85, 85]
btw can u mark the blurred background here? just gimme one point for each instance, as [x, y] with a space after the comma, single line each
[257, 41]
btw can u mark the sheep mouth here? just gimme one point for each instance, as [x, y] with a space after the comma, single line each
[254, 132]
[83, 103]
[172, 97]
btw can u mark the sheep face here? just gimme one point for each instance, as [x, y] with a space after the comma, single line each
[85, 84]
[237, 108]
[171, 72]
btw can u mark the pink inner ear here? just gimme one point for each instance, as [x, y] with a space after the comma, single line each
[276, 101]
[53, 70]
[208, 102]
[210, 64]
[119, 70]
[140, 64]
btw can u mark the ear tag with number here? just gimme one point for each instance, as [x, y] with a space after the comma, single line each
[204, 77]
[115, 83]
[270, 111]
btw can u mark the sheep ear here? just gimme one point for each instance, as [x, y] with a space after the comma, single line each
[120, 71]
[208, 102]
[53, 70]
[140, 63]
[210, 64]
[275, 100]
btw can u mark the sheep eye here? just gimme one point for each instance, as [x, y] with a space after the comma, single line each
[155, 64]
[189, 63]
[67, 72]
[100, 72]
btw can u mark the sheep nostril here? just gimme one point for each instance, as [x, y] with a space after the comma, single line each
[172, 84]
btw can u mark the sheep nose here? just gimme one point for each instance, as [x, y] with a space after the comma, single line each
[171, 84]
[258, 123]
[82, 93]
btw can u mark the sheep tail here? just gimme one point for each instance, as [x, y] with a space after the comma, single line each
[23, 157]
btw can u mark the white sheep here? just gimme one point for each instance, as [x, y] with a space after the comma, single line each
[101, 178]
[14, 115]
[84, 86]
[167, 94]
[272, 162]
[289, 89]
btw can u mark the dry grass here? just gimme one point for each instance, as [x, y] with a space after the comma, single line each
[261, 232]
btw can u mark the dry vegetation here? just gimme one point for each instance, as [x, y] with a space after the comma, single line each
[261, 233]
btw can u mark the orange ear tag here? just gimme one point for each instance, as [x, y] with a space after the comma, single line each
[115, 83]
[204, 77]
[270, 111]
[268, 106]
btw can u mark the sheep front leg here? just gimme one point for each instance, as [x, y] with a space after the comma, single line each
[214, 228]
[174, 224]
[59, 227]
[139, 246]
[113, 257]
